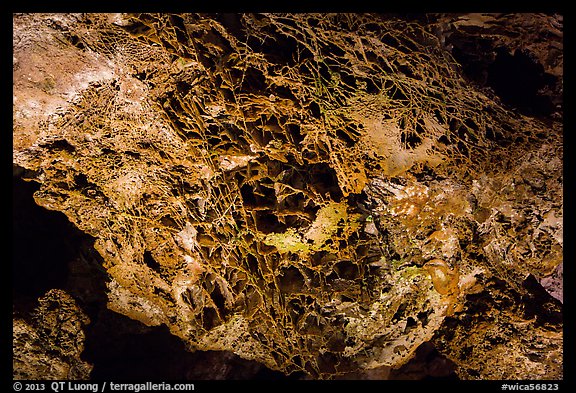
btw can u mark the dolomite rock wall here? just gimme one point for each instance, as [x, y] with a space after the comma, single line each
[319, 193]
[50, 345]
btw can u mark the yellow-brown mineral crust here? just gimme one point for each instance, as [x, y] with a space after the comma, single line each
[50, 344]
[317, 192]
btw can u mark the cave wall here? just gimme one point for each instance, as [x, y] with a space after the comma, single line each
[321, 194]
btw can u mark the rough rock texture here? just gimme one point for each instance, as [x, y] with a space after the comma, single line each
[502, 336]
[521, 56]
[319, 193]
[49, 344]
[554, 284]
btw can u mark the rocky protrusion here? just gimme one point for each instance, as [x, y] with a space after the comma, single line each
[49, 343]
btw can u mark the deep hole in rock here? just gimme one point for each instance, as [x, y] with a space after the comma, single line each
[427, 364]
[540, 304]
[42, 244]
[121, 348]
[295, 133]
[267, 222]
[254, 80]
[219, 300]
[411, 140]
[233, 23]
[323, 178]
[282, 49]
[347, 270]
[210, 318]
[517, 79]
[291, 280]
[151, 262]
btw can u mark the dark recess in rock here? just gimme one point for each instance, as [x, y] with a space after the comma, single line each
[42, 244]
[123, 349]
[518, 79]
[427, 364]
[518, 57]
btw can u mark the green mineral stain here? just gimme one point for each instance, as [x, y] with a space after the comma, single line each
[330, 219]
[289, 241]
[411, 271]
